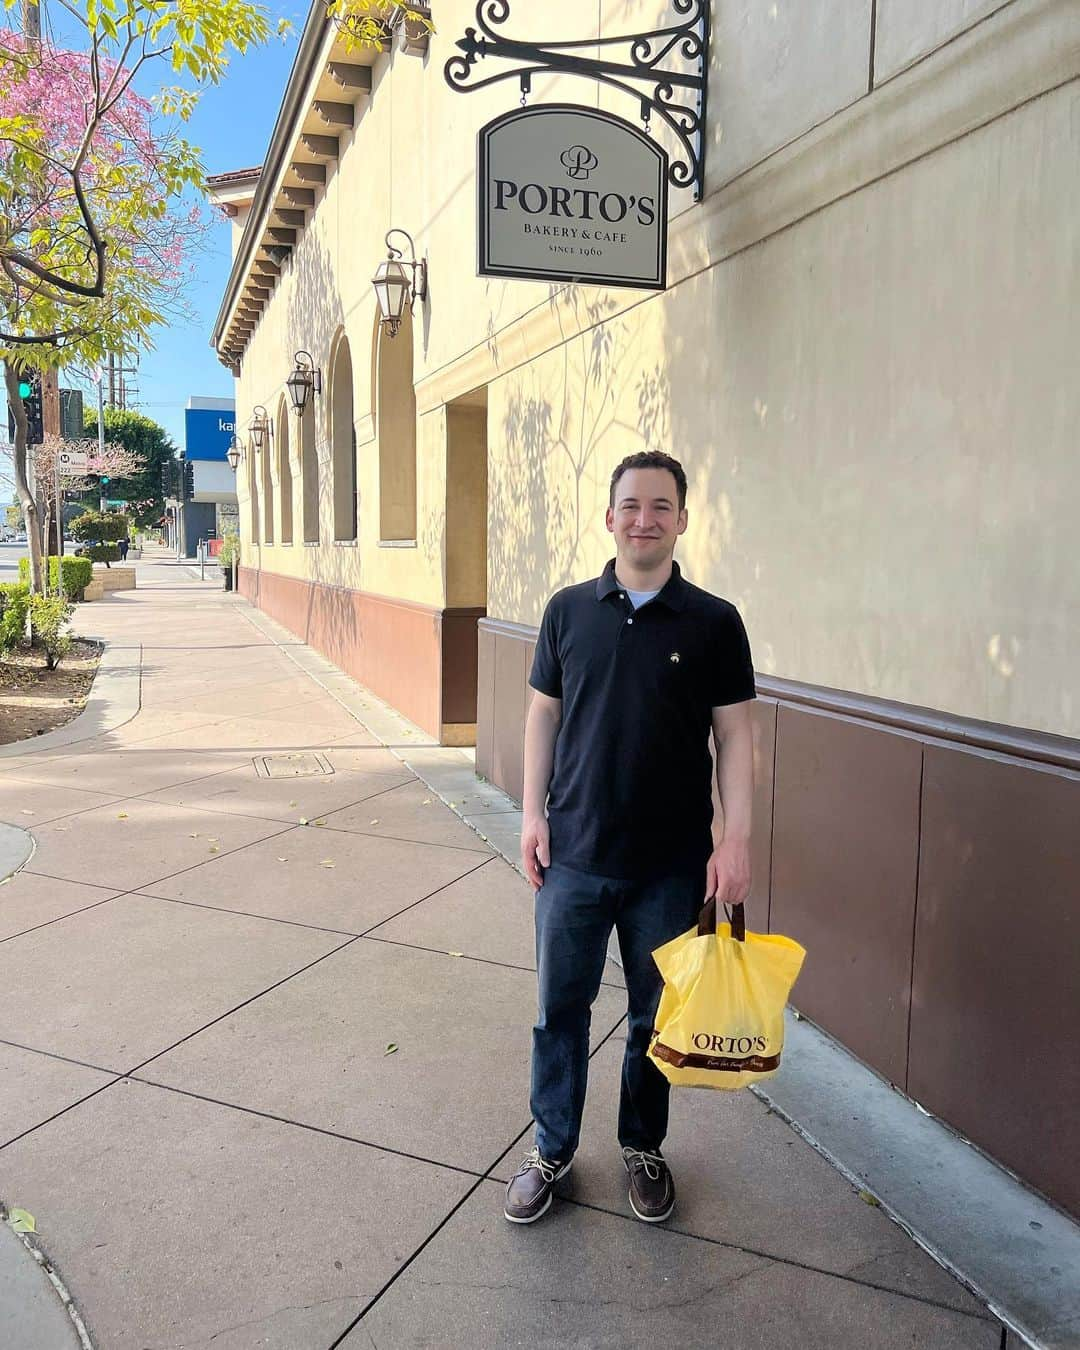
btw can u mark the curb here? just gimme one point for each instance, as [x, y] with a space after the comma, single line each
[43, 1312]
[16, 849]
[115, 698]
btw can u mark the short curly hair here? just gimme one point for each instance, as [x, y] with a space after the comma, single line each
[651, 459]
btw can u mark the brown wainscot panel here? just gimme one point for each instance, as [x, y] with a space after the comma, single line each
[247, 583]
[485, 701]
[996, 996]
[759, 904]
[844, 858]
[509, 747]
[459, 664]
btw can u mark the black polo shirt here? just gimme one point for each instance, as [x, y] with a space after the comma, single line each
[631, 792]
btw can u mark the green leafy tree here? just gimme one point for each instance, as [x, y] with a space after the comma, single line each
[151, 446]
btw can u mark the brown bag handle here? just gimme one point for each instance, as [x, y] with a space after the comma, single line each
[736, 917]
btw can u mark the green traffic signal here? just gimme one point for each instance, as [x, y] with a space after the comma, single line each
[104, 478]
[25, 388]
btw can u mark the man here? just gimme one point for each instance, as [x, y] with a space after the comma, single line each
[123, 546]
[631, 672]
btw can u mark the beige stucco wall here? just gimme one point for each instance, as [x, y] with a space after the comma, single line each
[864, 358]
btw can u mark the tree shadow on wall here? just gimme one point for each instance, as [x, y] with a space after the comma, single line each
[561, 438]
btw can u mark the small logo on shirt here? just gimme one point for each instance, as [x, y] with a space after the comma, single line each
[674, 658]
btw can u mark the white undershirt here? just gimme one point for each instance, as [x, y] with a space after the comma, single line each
[639, 598]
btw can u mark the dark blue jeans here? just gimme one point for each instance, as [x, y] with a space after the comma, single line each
[575, 913]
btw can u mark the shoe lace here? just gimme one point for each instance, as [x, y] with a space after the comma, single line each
[546, 1169]
[653, 1163]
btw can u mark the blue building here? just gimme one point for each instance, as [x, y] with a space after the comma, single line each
[209, 424]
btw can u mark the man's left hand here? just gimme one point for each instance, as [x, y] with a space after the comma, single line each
[728, 873]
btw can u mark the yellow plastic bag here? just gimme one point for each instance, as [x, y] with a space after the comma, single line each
[720, 1023]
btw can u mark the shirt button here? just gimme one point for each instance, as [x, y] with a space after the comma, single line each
[621, 596]
[629, 621]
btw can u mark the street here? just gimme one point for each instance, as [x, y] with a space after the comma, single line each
[9, 561]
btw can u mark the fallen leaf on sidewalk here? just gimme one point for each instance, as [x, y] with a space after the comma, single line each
[869, 1199]
[23, 1221]
[193, 836]
[374, 822]
[283, 860]
[326, 862]
[27, 813]
[390, 1049]
[320, 822]
[426, 801]
[455, 953]
[214, 848]
[302, 820]
[121, 815]
[292, 803]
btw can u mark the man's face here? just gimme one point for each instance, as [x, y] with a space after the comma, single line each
[646, 519]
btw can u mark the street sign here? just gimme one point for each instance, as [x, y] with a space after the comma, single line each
[71, 462]
[570, 193]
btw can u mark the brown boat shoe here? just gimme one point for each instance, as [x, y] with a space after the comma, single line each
[528, 1195]
[652, 1190]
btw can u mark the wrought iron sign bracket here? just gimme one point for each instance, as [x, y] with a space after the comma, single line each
[683, 111]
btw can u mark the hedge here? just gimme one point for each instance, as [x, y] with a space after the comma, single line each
[14, 604]
[77, 574]
[48, 616]
[106, 553]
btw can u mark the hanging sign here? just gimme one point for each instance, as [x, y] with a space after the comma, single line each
[572, 194]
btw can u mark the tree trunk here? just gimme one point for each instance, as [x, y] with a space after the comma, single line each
[22, 486]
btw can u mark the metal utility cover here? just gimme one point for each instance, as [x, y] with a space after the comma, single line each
[299, 764]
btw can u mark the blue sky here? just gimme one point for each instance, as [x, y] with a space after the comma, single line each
[232, 127]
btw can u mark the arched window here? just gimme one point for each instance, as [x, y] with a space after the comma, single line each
[281, 429]
[396, 423]
[309, 474]
[263, 456]
[251, 455]
[343, 443]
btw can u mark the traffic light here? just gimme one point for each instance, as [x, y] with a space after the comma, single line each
[189, 480]
[30, 395]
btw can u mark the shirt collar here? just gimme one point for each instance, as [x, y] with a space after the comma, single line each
[673, 594]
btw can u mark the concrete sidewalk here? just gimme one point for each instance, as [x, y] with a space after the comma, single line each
[239, 902]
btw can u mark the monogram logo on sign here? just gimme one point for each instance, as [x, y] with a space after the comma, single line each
[674, 658]
[579, 161]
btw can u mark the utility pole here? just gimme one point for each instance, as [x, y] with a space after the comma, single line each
[31, 16]
[99, 375]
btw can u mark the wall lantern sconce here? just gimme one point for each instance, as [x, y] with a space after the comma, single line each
[235, 453]
[260, 426]
[306, 379]
[392, 285]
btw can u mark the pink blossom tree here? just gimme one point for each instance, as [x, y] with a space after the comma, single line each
[96, 183]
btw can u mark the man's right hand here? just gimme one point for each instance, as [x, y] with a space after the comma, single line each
[535, 849]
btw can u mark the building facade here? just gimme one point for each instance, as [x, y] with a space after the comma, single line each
[212, 508]
[864, 358]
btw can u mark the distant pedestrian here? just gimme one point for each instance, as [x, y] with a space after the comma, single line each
[123, 550]
[633, 671]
